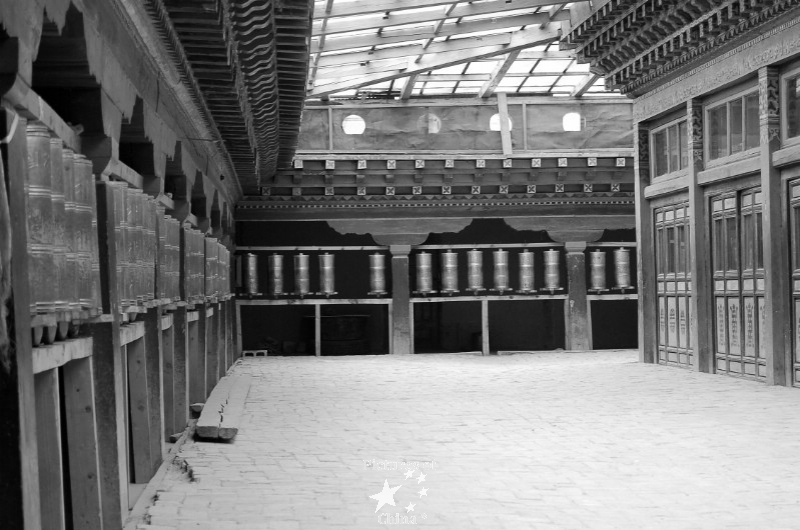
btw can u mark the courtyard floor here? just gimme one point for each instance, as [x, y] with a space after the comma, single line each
[555, 440]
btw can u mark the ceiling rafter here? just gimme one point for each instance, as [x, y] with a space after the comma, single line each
[497, 75]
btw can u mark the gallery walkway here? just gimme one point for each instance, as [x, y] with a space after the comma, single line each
[531, 441]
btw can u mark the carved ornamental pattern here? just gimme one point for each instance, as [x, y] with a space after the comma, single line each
[769, 105]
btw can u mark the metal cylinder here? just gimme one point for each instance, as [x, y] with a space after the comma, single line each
[251, 274]
[41, 280]
[526, 283]
[500, 270]
[424, 273]
[327, 285]
[475, 270]
[84, 179]
[70, 216]
[302, 282]
[377, 273]
[276, 274]
[449, 272]
[622, 268]
[598, 270]
[61, 302]
[552, 272]
[94, 244]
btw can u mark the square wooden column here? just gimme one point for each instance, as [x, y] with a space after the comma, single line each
[701, 305]
[776, 329]
[577, 322]
[645, 258]
[402, 339]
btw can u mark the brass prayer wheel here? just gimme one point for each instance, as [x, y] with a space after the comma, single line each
[70, 218]
[475, 270]
[94, 245]
[552, 272]
[251, 274]
[377, 274]
[424, 273]
[526, 282]
[598, 270]
[326, 274]
[500, 270]
[119, 192]
[59, 224]
[622, 268]
[302, 282]
[276, 275]
[83, 180]
[449, 272]
[41, 262]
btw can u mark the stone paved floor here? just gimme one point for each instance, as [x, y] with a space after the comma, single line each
[530, 441]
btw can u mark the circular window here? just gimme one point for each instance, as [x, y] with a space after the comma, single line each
[353, 124]
[429, 124]
[571, 121]
[494, 123]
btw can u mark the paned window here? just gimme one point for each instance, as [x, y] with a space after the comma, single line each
[733, 126]
[670, 149]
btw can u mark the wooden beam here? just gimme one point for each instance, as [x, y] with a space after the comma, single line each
[344, 25]
[60, 353]
[138, 410]
[409, 87]
[585, 84]
[497, 75]
[505, 130]
[327, 61]
[370, 67]
[520, 40]
[48, 429]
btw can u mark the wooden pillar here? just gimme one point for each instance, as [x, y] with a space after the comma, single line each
[222, 325]
[48, 427]
[139, 412]
[168, 371]
[576, 307]
[196, 356]
[776, 333]
[645, 258]
[402, 339]
[180, 393]
[19, 487]
[318, 330]
[485, 346]
[155, 384]
[701, 325]
[82, 444]
[212, 348]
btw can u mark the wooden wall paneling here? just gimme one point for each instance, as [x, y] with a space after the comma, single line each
[139, 412]
[777, 295]
[82, 444]
[19, 488]
[155, 382]
[212, 348]
[180, 392]
[48, 428]
[701, 302]
[645, 259]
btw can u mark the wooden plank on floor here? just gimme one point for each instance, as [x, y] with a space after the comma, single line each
[48, 431]
[211, 416]
[82, 446]
[234, 408]
[138, 410]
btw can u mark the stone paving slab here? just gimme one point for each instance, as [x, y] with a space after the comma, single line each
[557, 440]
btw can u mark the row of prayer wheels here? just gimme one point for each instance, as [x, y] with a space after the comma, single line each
[63, 250]
[217, 281]
[622, 270]
[302, 276]
[500, 272]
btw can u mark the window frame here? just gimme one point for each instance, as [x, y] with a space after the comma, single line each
[665, 129]
[725, 99]
[791, 73]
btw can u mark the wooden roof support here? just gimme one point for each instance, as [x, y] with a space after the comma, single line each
[587, 83]
[497, 75]
[406, 92]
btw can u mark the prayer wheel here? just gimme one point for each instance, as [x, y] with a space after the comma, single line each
[424, 273]
[552, 272]
[526, 283]
[501, 270]
[475, 270]
[377, 274]
[301, 276]
[70, 218]
[59, 225]
[94, 245]
[84, 179]
[251, 274]
[276, 275]
[41, 260]
[598, 270]
[449, 272]
[119, 193]
[327, 285]
[622, 268]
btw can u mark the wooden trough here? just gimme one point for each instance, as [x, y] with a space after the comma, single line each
[223, 410]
